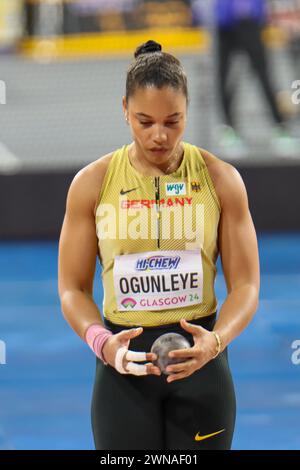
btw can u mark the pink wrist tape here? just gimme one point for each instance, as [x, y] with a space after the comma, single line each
[95, 336]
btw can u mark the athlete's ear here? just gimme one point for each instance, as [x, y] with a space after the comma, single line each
[124, 105]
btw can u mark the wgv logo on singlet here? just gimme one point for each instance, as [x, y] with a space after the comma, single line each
[175, 189]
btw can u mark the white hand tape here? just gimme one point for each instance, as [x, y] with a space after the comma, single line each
[119, 360]
[136, 356]
[135, 369]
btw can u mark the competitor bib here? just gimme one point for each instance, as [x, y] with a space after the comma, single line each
[158, 280]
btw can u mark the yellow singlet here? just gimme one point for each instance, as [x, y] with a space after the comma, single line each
[157, 240]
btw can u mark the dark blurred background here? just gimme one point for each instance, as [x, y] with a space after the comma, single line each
[63, 67]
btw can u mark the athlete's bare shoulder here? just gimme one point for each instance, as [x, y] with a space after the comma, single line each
[224, 176]
[97, 169]
[86, 184]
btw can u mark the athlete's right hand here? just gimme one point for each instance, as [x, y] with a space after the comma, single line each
[116, 354]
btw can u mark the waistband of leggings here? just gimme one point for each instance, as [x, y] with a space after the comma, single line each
[206, 322]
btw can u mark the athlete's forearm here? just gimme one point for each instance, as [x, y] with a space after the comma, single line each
[80, 311]
[236, 312]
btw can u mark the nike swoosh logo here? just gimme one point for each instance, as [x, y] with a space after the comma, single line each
[201, 438]
[127, 191]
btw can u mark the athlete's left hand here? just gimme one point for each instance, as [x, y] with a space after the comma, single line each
[203, 351]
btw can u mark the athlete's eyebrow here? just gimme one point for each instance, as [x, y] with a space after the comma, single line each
[146, 115]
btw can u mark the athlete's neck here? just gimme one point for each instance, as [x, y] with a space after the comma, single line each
[143, 166]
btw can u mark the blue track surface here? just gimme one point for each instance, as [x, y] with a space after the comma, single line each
[46, 384]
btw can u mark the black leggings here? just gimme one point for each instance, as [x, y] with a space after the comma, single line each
[145, 412]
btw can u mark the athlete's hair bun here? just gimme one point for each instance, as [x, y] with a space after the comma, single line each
[149, 46]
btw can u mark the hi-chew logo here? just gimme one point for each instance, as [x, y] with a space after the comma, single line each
[175, 189]
[157, 262]
[2, 92]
